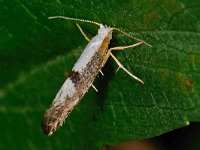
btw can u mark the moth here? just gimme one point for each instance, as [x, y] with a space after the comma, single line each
[84, 72]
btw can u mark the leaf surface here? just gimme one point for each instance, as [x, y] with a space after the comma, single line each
[35, 53]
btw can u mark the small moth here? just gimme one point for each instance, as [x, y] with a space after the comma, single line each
[90, 63]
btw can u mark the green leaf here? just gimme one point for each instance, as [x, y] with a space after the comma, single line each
[36, 52]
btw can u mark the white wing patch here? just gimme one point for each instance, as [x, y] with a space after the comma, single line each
[67, 89]
[92, 47]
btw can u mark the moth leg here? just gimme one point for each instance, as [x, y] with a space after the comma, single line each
[101, 72]
[126, 47]
[85, 36]
[94, 88]
[120, 66]
[119, 48]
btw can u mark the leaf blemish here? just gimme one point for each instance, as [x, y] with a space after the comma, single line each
[189, 84]
[151, 18]
[184, 82]
[164, 73]
[174, 6]
[193, 60]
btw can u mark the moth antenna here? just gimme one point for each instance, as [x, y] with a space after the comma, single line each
[75, 19]
[132, 36]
